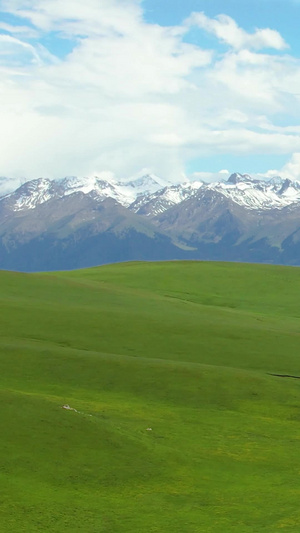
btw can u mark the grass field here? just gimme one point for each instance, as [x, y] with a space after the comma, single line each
[187, 349]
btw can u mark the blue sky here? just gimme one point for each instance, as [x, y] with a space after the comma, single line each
[278, 14]
[174, 87]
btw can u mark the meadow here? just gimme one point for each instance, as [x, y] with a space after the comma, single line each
[181, 422]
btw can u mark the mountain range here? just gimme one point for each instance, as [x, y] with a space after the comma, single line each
[79, 222]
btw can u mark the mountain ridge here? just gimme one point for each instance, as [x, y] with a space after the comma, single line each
[244, 190]
[80, 222]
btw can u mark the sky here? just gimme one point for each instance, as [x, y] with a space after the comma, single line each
[178, 88]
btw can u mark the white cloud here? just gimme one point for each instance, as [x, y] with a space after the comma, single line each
[75, 17]
[133, 95]
[24, 31]
[11, 47]
[210, 176]
[8, 185]
[291, 170]
[227, 31]
[261, 82]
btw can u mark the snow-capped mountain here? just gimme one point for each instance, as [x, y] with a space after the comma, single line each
[242, 189]
[38, 191]
[258, 194]
[150, 195]
[146, 184]
[76, 222]
[160, 201]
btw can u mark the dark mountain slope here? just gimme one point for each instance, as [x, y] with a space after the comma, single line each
[77, 231]
[221, 229]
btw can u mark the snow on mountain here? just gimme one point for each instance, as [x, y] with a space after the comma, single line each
[141, 186]
[150, 195]
[148, 183]
[38, 191]
[159, 201]
[31, 194]
[242, 189]
[101, 188]
[257, 194]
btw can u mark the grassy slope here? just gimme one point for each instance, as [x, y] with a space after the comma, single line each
[183, 348]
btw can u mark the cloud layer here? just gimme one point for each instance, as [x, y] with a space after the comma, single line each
[227, 31]
[132, 94]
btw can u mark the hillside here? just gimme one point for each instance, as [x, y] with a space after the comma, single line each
[181, 423]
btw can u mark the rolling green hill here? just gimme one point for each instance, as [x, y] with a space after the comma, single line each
[179, 423]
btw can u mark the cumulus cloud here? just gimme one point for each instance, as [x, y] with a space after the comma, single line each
[227, 31]
[8, 185]
[291, 170]
[131, 94]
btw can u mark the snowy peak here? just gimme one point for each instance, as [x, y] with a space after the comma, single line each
[100, 187]
[146, 183]
[259, 194]
[31, 194]
[39, 191]
[88, 184]
[160, 201]
[240, 178]
[105, 186]
[289, 188]
[150, 195]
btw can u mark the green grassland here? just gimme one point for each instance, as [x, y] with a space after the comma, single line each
[187, 349]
